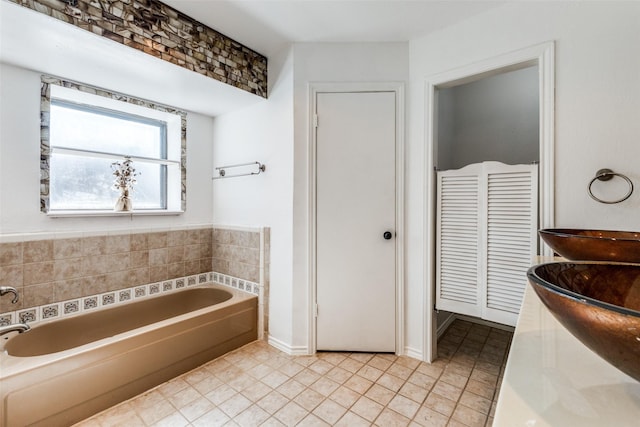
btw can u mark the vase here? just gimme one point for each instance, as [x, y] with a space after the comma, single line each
[124, 203]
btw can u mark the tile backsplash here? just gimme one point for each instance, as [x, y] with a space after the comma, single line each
[51, 271]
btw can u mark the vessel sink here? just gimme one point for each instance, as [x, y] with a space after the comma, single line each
[593, 245]
[598, 303]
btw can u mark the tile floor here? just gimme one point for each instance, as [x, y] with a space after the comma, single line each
[258, 385]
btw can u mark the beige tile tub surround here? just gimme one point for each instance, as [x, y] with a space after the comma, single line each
[161, 31]
[258, 385]
[52, 270]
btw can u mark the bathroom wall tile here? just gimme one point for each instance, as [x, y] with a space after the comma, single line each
[7, 319]
[118, 280]
[139, 259]
[244, 271]
[38, 272]
[68, 289]
[139, 276]
[95, 284]
[221, 251]
[157, 240]
[175, 254]
[206, 235]
[158, 257]
[192, 252]
[191, 267]
[220, 265]
[92, 265]
[245, 255]
[207, 250]
[192, 237]
[11, 253]
[38, 251]
[175, 270]
[71, 307]
[12, 275]
[221, 236]
[158, 273]
[248, 239]
[119, 262]
[67, 268]
[176, 237]
[139, 241]
[67, 248]
[206, 264]
[118, 243]
[96, 245]
[125, 295]
[50, 311]
[35, 295]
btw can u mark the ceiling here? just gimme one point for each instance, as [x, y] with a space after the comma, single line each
[266, 25]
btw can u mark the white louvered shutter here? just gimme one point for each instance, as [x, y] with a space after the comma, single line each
[511, 244]
[486, 238]
[458, 243]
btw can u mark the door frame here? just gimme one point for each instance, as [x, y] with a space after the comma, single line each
[542, 55]
[314, 89]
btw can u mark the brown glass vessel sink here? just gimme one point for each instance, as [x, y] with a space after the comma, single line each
[593, 245]
[598, 303]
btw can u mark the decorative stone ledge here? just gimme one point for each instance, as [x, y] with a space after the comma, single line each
[161, 31]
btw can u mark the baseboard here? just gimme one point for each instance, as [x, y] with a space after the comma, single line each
[444, 325]
[286, 348]
[413, 353]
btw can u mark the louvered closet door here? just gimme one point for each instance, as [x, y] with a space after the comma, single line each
[458, 241]
[512, 205]
[486, 239]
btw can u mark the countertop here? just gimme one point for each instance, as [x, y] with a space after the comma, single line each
[552, 379]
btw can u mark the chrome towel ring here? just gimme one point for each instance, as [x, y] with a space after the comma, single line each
[606, 175]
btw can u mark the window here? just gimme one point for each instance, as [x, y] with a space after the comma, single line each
[86, 130]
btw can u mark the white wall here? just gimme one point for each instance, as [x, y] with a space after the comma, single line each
[495, 118]
[264, 133]
[597, 104]
[327, 62]
[20, 167]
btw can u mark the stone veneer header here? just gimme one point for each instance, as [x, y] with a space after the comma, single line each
[159, 30]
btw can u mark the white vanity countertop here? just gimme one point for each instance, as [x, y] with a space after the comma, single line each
[552, 379]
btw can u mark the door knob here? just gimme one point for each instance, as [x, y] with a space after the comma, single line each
[387, 235]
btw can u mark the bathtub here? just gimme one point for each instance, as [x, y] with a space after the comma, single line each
[63, 371]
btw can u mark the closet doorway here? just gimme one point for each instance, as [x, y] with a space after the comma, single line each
[500, 110]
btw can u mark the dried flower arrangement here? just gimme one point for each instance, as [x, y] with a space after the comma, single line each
[125, 175]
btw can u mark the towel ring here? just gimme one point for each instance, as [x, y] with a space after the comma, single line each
[606, 175]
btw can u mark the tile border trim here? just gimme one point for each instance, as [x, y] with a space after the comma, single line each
[75, 306]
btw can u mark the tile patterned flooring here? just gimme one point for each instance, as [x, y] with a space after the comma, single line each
[258, 385]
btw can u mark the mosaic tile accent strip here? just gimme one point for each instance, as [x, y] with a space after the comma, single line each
[111, 299]
[50, 311]
[45, 146]
[165, 33]
[71, 307]
[6, 319]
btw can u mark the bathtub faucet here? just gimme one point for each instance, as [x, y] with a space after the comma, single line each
[17, 327]
[9, 289]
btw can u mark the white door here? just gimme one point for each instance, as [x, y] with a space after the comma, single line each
[355, 207]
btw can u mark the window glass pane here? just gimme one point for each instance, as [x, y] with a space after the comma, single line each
[149, 190]
[86, 129]
[81, 183]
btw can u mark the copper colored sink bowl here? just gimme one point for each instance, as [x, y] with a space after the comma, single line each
[594, 245]
[599, 304]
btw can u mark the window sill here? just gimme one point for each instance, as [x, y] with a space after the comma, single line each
[150, 212]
